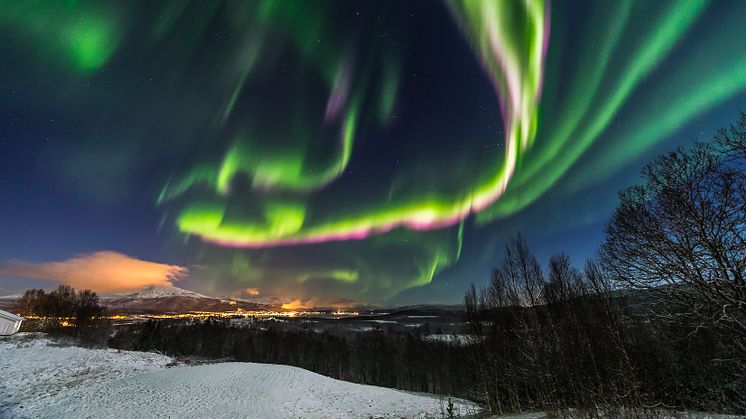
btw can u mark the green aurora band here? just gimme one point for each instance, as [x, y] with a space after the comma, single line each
[590, 110]
[512, 52]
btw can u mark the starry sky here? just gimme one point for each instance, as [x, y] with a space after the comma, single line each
[335, 152]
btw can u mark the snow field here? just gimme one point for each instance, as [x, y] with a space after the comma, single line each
[39, 378]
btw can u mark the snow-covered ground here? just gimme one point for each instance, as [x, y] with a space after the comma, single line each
[36, 372]
[651, 414]
[40, 378]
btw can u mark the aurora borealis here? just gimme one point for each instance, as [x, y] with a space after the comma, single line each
[344, 150]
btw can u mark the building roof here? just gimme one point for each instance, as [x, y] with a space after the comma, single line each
[10, 316]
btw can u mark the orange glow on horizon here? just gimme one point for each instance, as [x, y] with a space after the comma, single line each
[296, 304]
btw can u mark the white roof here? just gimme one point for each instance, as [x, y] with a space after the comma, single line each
[10, 316]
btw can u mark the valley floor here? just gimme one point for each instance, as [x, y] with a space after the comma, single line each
[44, 378]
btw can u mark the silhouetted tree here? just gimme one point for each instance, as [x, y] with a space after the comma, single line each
[681, 235]
[65, 306]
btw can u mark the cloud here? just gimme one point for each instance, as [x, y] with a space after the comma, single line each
[251, 291]
[296, 305]
[104, 271]
[310, 303]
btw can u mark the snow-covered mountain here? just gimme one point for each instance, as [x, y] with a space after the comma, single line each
[152, 300]
[155, 292]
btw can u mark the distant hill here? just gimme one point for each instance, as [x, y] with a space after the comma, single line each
[154, 292]
[422, 312]
[154, 300]
[157, 300]
[162, 300]
[10, 303]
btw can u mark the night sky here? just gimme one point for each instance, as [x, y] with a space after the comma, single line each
[331, 152]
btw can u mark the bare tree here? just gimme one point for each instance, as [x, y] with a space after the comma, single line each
[681, 234]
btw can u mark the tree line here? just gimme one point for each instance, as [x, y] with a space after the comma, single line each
[658, 320]
[567, 340]
[66, 311]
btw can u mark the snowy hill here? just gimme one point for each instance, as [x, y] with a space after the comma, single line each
[41, 379]
[153, 300]
[155, 292]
